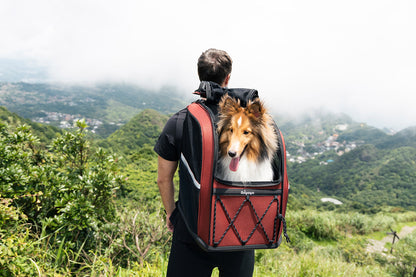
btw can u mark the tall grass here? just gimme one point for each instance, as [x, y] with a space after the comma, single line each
[286, 262]
[330, 225]
[323, 244]
[320, 261]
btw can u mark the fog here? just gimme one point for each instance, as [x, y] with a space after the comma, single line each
[355, 57]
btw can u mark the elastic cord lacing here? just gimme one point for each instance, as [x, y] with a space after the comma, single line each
[259, 221]
[284, 228]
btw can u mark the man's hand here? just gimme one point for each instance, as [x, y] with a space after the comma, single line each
[169, 224]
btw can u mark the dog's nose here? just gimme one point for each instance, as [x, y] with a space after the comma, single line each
[232, 154]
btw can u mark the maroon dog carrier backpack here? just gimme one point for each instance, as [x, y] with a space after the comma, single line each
[222, 215]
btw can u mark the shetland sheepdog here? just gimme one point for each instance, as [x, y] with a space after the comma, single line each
[247, 141]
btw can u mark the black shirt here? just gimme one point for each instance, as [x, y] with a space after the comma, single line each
[167, 145]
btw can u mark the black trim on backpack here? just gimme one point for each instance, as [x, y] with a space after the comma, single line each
[213, 92]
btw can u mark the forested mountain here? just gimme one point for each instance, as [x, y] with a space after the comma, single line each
[360, 164]
[327, 152]
[363, 166]
[70, 206]
[318, 132]
[105, 107]
[141, 130]
[406, 137]
[366, 175]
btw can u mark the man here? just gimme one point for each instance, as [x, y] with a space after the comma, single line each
[186, 257]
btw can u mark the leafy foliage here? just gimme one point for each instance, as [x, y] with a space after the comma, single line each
[405, 255]
[84, 186]
[66, 195]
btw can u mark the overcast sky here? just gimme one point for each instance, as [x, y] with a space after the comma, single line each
[356, 56]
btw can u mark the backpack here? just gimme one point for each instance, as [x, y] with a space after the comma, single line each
[222, 215]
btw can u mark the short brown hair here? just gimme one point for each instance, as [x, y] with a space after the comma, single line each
[214, 65]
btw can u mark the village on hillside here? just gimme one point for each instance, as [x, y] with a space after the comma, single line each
[64, 120]
[331, 143]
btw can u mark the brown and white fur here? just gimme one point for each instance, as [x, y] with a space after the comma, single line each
[247, 141]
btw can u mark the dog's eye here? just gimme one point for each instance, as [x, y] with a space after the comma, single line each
[231, 130]
[246, 132]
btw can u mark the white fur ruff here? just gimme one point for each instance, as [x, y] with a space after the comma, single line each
[248, 171]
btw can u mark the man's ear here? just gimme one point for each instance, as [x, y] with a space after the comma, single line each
[226, 80]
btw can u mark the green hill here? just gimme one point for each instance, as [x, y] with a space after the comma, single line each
[362, 166]
[406, 137]
[141, 130]
[331, 155]
[367, 175]
[45, 133]
[364, 133]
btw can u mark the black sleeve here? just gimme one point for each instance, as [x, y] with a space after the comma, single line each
[166, 146]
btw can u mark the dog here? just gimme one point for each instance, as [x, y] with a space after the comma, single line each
[247, 141]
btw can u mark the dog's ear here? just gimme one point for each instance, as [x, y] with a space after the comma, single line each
[228, 105]
[256, 109]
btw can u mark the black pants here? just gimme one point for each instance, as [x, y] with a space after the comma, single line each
[187, 259]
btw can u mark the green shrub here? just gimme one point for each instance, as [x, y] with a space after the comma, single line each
[354, 251]
[405, 217]
[362, 224]
[404, 253]
[317, 225]
[66, 194]
[17, 254]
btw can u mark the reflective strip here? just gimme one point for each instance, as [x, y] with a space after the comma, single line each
[185, 162]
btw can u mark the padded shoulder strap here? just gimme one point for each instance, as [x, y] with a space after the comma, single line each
[179, 127]
[208, 157]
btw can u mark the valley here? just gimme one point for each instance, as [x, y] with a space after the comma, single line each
[82, 180]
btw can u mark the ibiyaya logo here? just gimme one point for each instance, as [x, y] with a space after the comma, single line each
[247, 192]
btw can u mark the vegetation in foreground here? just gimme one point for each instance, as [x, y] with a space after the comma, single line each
[66, 210]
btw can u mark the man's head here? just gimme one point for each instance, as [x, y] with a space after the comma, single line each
[215, 65]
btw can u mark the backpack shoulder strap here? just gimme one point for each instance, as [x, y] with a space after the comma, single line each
[179, 127]
[180, 121]
[203, 116]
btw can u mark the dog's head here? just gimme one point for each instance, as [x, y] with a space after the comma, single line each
[241, 129]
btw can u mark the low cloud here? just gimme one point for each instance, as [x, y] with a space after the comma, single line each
[354, 57]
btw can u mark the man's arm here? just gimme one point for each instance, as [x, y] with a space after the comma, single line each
[166, 170]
